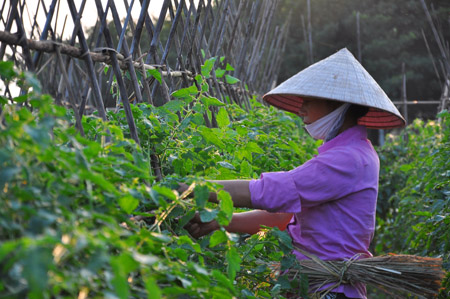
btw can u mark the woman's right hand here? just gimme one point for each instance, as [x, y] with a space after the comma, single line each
[197, 228]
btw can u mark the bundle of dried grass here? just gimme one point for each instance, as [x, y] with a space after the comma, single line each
[393, 274]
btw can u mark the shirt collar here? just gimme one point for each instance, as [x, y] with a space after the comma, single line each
[355, 132]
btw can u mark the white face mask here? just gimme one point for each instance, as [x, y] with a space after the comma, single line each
[324, 128]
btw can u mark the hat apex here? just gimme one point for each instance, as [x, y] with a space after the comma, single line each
[339, 77]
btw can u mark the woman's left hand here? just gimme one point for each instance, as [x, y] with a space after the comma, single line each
[197, 228]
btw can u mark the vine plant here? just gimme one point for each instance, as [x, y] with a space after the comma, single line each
[67, 201]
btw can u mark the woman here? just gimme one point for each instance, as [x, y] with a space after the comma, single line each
[328, 204]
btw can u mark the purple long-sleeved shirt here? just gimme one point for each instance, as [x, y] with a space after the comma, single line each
[333, 197]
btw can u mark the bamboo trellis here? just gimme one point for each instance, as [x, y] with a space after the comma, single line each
[80, 71]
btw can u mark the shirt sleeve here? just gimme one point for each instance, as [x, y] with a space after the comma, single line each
[275, 192]
[324, 178]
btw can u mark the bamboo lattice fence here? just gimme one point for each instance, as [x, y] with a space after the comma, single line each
[116, 53]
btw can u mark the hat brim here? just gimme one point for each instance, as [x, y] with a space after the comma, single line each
[375, 118]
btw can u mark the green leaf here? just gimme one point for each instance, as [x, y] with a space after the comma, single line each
[423, 213]
[6, 247]
[32, 81]
[254, 148]
[444, 113]
[244, 153]
[186, 240]
[222, 118]
[162, 238]
[210, 136]
[186, 218]
[227, 165]
[198, 119]
[153, 290]
[201, 195]
[287, 261]
[3, 100]
[222, 279]
[226, 205]
[207, 215]
[166, 192]
[174, 105]
[22, 98]
[219, 72]
[7, 174]
[205, 87]
[156, 124]
[26, 115]
[7, 71]
[246, 169]
[187, 92]
[208, 66]
[406, 167]
[145, 259]
[231, 80]
[128, 203]
[99, 180]
[234, 262]
[242, 131]
[284, 239]
[121, 264]
[304, 285]
[155, 74]
[36, 264]
[181, 254]
[217, 238]
[211, 101]
[229, 67]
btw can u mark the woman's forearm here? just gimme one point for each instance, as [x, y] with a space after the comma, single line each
[250, 222]
[239, 192]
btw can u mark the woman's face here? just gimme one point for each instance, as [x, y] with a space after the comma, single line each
[314, 109]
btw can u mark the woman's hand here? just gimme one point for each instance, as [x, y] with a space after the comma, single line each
[197, 228]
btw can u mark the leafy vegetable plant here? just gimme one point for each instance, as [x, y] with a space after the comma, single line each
[414, 200]
[66, 201]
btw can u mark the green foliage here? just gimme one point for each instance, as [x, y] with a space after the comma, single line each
[414, 199]
[66, 200]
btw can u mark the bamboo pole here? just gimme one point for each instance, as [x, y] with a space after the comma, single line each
[72, 101]
[358, 38]
[404, 97]
[45, 30]
[310, 43]
[23, 39]
[89, 62]
[249, 31]
[108, 38]
[101, 55]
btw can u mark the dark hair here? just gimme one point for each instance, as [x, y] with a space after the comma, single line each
[357, 111]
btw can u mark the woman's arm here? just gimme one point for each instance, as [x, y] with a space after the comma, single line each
[238, 189]
[245, 222]
[250, 222]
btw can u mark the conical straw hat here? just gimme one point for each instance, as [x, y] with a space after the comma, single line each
[342, 78]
